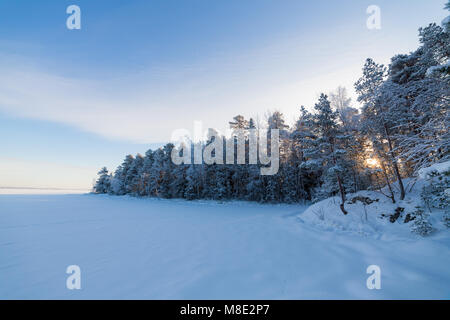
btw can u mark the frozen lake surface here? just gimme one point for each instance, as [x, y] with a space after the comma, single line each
[129, 248]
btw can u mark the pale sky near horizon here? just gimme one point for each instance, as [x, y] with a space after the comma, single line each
[72, 101]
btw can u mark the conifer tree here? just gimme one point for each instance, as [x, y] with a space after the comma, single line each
[103, 183]
[323, 149]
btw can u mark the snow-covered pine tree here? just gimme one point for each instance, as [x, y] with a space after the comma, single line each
[239, 122]
[255, 189]
[251, 124]
[376, 121]
[156, 173]
[273, 183]
[222, 187]
[209, 187]
[253, 185]
[419, 98]
[119, 181]
[350, 121]
[103, 183]
[193, 189]
[133, 180]
[348, 116]
[421, 224]
[304, 131]
[238, 173]
[435, 192]
[145, 173]
[446, 24]
[167, 172]
[178, 185]
[324, 149]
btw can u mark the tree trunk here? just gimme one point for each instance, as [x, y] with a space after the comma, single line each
[341, 190]
[394, 161]
[387, 182]
[394, 164]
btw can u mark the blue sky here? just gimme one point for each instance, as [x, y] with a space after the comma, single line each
[73, 100]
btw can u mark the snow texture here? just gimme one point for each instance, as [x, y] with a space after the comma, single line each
[131, 248]
[438, 167]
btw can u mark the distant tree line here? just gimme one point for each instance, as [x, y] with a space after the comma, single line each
[401, 127]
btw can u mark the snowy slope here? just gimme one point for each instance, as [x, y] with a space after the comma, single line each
[373, 219]
[170, 249]
[437, 167]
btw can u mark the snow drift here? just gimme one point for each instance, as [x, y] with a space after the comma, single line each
[372, 213]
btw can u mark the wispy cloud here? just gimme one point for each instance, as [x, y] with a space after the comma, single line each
[148, 106]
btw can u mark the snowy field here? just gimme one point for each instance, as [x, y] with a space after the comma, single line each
[130, 248]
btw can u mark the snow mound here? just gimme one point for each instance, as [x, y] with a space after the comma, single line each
[369, 214]
[373, 214]
[439, 167]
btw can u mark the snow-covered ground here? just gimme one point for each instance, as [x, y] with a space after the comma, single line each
[373, 220]
[369, 212]
[173, 249]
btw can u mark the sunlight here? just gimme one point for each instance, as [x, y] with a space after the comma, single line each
[372, 162]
